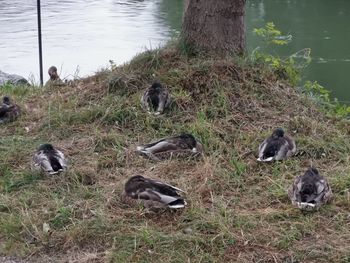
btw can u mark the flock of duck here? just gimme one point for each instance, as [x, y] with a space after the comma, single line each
[308, 191]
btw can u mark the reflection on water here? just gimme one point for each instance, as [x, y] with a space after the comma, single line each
[88, 33]
[80, 34]
[322, 25]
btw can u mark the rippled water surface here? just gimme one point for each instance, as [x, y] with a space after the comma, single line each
[83, 36]
[322, 25]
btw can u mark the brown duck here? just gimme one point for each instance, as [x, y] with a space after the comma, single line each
[184, 144]
[155, 99]
[277, 147]
[310, 190]
[153, 193]
[8, 110]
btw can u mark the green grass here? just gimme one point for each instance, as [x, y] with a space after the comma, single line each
[238, 210]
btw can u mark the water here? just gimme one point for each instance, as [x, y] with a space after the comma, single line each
[81, 36]
[322, 25]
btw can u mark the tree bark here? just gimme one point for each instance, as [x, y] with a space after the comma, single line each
[215, 26]
[186, 3]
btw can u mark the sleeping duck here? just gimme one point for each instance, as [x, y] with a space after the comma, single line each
[8, 110]
[184, 144]
[152, 193]
[155, 99]
[49, 159]
[310, 190]
[277, 147]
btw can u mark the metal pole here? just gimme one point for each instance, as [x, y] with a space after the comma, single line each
[40, 44]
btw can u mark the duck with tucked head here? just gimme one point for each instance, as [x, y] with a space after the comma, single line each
[155, 99]
[152, 193]
[310, 190]
[184, 144]
[277, 147]
[49, 160]
[8, 110]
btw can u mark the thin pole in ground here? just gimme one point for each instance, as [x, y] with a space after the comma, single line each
[40, 44]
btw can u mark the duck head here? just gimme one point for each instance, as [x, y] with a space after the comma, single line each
[307, 189]
[133, 184]
[156, 86]
[188, 139]
[312, 171]
[137, 178]
[53, 73]
[308, 186]
[278, 133]
[154, 95]
[46, 147]
[6, 100]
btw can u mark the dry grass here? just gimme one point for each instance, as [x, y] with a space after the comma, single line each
[238, 209]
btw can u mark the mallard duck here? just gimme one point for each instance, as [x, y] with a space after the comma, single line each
[54, 78]
[8, 110]
[277, 147]
[153, 193]
[182, 144]
[53, 73]
[49, 159]
[310, 190]
[155, 99]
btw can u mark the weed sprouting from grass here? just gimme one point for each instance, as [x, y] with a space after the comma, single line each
[288, 236]
[11, 183]
[149, 60]
[5, 170]
[239, 166]
[10, 225]
[18, 90]
[62, 218]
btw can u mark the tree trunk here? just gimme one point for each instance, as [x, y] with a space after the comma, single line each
[186, 3]
[215, 25]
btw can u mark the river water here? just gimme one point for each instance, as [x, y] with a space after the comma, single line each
[81, 36]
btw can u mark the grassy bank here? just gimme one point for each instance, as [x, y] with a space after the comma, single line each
[238, 209]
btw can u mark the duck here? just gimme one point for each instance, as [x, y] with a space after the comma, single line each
[153, 193]
[155, 99]
[49, 160]
[184, 143]
[8, 110]
[310, 190]
[277, 147]
[53, 73]
[55, 79]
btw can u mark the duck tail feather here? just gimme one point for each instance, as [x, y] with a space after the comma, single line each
[140, 148]
[169, 185]
[179, 203]
[265, 160]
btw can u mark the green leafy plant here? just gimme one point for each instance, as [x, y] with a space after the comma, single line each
[288, 68]
[313, 88]
[323, 97]
[62, 218]
[271, 35]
